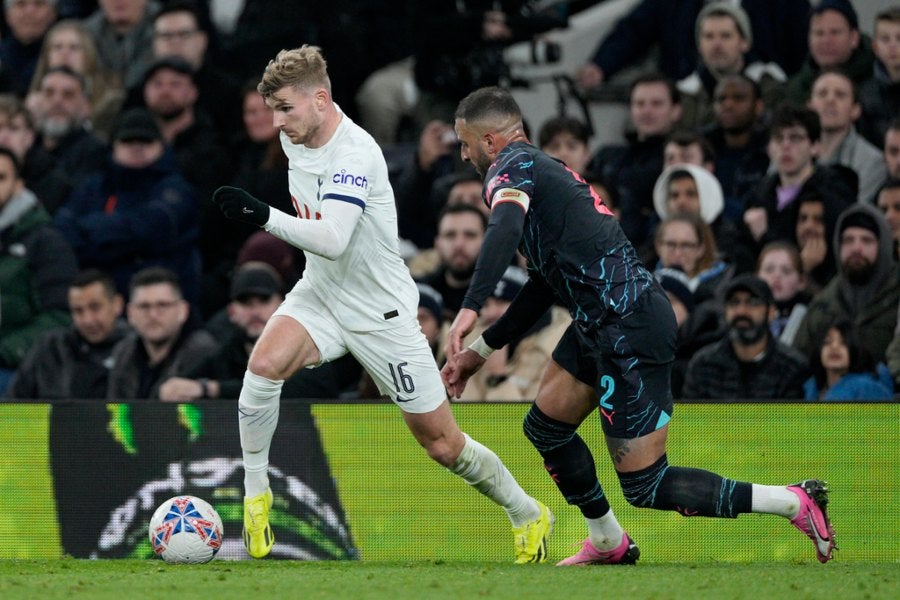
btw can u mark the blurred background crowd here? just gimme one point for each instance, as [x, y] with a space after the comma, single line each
[750, 150]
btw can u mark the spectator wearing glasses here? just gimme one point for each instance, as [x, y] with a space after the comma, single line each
[178, 30]
[684, 241]
[163, 343]
[748, 363]
[688, 188]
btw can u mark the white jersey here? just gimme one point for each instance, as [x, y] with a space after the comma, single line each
[368, 287]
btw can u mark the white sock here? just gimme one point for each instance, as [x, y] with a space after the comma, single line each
[605, 532]
[257, 418]
[483, 470]
[774, 500]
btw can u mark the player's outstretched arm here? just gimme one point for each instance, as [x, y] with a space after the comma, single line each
[328, 236]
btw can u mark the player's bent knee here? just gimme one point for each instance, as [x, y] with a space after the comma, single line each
[446, 448]
[640, 487]
[545, 433]
[264, 367]
[442, 452]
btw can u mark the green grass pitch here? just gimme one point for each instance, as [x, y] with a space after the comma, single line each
[440, 580]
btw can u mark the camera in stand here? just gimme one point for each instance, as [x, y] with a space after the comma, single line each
[535, 52]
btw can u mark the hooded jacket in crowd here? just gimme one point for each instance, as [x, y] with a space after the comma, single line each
[870, 306]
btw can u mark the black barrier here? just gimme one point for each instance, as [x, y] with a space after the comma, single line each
[113, 464]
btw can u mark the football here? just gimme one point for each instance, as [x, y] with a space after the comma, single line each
[185, 529]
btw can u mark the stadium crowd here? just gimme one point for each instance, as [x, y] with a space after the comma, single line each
[758, 178]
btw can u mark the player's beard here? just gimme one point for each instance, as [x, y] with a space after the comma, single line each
[858, 272]
[747, 336]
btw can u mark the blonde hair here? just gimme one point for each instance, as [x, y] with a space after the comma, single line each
[93, 71]
[300, 68]
[102, 87]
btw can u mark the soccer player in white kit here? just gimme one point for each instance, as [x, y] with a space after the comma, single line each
[356, 295]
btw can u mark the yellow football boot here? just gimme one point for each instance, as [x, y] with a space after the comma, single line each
[531, 538]
[258, 536]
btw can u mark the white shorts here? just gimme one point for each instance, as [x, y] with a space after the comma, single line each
[398, 359]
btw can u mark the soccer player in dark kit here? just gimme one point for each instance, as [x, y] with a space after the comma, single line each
[615, 356]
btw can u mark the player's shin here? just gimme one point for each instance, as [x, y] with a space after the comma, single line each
[484, 471]
[691, 492]
[568, 460]
[571, 465]
[257, 418]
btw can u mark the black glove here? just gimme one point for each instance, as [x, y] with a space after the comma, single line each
[241, 206]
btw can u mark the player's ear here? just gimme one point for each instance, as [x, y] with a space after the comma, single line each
[491, 142]
[321, 96]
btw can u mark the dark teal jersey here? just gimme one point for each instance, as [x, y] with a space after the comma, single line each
[570, 238]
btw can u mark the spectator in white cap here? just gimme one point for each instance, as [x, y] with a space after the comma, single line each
[690, 189]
